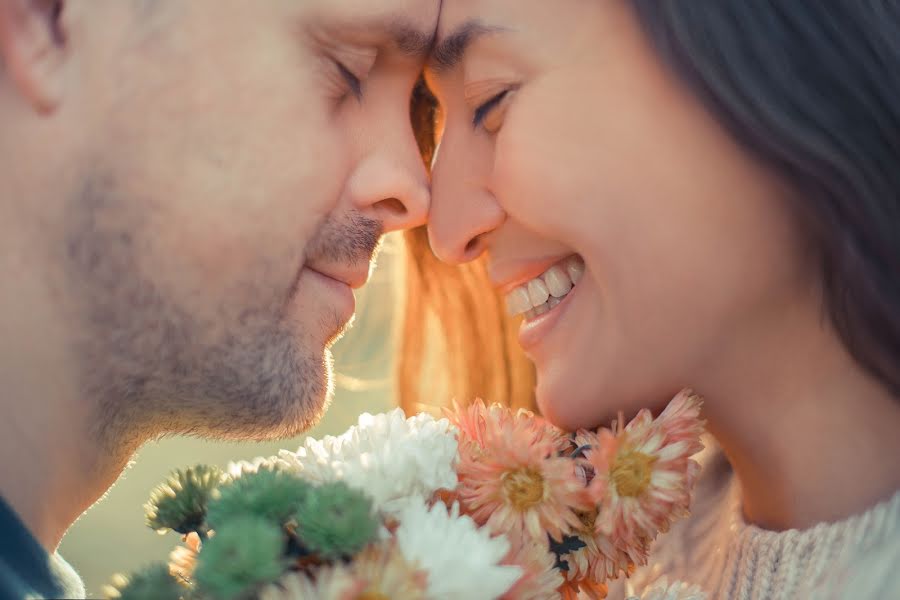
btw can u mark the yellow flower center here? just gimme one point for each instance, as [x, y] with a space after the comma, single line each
[588, 520]
[631, 472]
[523, 488]
[372, 595]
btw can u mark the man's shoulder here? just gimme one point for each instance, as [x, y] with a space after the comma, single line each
[11, 584]
[26, 569]
[58, 580]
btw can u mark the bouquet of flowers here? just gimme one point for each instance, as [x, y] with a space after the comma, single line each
[486, 503]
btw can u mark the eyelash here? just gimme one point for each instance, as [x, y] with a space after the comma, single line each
[353, 82]
[485, 109]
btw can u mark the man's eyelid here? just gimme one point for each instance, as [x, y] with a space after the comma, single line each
[359, 61]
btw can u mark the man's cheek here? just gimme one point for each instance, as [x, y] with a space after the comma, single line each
[330, 165]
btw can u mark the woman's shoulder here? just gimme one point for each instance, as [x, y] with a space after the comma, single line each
[869, 569]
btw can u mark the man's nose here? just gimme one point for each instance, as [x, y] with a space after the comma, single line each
[394, 193]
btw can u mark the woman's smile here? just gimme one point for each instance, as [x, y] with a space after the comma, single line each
[541, 294]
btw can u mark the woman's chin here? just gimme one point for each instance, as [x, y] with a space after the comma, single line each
[565, 406]
[573, 402]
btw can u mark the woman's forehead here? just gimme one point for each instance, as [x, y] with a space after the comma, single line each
[463, 22]
[456, 13]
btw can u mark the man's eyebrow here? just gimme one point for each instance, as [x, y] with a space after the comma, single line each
[396, 32]
[410, 41]
[451, 50]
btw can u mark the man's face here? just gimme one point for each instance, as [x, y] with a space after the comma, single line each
[235, 164]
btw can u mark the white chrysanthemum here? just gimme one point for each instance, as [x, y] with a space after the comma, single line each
[447, 545]
[243, 467]
[678, 590]
[387, 456]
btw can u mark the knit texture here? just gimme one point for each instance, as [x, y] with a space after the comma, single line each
[856, 558]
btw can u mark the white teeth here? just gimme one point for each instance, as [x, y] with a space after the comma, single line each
[543, 293]
[518, 301]
[575, 268]
[558, 281]
[538, 292]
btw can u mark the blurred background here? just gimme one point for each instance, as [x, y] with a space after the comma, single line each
[111, 537]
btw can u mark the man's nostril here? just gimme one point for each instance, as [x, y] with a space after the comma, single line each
[391, 207]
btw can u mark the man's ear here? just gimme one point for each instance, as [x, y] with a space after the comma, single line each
[33, 50]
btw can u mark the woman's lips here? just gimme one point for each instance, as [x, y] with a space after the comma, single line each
[535, 328]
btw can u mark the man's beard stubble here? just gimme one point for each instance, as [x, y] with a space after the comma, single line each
[152, 368]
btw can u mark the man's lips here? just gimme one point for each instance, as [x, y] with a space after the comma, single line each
[354, 277]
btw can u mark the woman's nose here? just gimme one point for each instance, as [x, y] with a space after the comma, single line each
[463, 212]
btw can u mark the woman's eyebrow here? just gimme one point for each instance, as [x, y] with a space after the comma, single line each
[450, 51]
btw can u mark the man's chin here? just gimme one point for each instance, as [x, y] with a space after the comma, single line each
[305, 413]
[341, 330]
[293, 420]
[279, 395]
[304, 410]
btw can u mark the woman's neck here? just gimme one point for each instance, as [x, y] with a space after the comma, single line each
[812, 437]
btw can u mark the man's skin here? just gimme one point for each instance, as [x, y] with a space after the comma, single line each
[188, 190]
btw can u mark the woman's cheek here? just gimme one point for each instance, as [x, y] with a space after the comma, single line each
[528, 180]
[546, 175]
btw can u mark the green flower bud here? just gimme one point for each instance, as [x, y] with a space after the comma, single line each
[336, 521]
[151, 583]
[269, 494]
[180, 502]
[243, 555]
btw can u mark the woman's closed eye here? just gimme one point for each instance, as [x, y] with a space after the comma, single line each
[482, 115]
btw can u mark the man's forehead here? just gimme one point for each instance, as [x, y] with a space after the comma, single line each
[410, 24]
[423, 14]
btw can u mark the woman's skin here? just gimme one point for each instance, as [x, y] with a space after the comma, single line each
[696, 274]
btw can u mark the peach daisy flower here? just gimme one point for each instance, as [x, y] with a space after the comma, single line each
[389, 575]
[183, 559]
[540, 579]
[643, 474]
[476, 421]
[330, 583]
[598, 560]
[584, 588]
[379, 571]
[472, 420]
[512, 478]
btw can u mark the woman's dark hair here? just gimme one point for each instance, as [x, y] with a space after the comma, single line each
[812, 88]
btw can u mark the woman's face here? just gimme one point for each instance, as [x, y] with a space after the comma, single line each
[569, 152]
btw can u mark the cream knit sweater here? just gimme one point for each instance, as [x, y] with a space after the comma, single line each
[854, 559]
